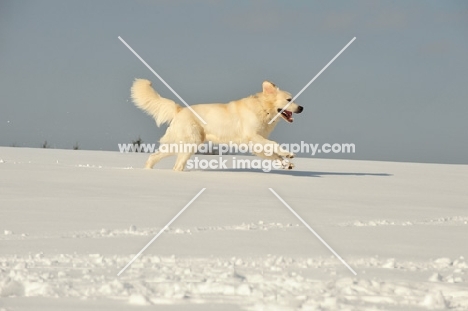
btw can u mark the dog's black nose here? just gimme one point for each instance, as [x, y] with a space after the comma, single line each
[299, 109]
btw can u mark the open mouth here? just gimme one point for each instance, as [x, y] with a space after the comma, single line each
[287, 115]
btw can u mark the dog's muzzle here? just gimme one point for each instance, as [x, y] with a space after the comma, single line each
[287, 115]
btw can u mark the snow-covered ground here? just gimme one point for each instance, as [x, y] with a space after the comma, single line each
[71, 220]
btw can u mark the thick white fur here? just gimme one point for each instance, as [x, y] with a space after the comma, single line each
[239, 121]
[163, 110]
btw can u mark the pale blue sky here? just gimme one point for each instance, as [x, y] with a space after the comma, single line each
[399, 92]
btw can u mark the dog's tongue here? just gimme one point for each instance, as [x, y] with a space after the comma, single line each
[288, 115]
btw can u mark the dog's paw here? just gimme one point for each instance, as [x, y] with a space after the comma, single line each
[284, 153]
[286, 165]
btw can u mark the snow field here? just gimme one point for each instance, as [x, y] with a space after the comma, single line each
[70, 220]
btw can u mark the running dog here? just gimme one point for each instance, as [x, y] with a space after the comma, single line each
[240, 121]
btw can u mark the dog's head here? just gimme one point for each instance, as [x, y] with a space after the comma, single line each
[279, 100]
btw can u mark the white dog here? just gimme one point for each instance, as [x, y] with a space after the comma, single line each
[241, 121]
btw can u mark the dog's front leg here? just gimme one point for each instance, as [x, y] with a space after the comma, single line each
[273, 146]
[273, 151]
[285, 153]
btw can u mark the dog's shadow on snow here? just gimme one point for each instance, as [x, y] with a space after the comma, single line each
[302, 173]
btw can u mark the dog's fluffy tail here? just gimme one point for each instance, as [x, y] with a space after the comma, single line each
[163, 110]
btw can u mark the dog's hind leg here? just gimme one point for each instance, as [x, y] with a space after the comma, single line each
[155, 158]
[182, 159]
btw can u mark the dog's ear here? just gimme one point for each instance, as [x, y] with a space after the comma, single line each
[268, 87]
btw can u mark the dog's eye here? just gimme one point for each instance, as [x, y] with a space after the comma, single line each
[289, 99]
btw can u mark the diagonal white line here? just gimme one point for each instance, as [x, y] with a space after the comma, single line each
[312, 230]
[313, 79]
[162, 230]
[162, 80]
